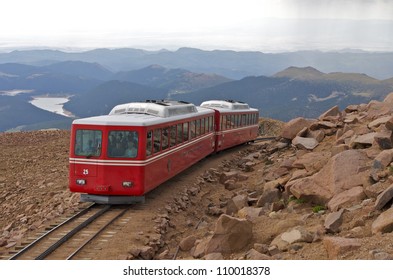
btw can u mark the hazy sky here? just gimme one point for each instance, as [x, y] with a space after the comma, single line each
[262, 25]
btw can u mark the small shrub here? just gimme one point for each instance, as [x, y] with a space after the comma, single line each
[318, 208]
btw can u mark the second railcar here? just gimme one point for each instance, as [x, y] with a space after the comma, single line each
[236, 123]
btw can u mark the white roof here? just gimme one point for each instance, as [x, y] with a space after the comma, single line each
[159, 108]
[138, 119]
[227, 106]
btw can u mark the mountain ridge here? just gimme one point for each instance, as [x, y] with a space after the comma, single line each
[228, 63]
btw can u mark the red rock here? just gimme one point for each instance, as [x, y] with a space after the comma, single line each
[336, 246]
[230, 235]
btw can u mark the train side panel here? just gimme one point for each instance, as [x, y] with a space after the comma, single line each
[234, 137]
[233, 129]
[172, 162]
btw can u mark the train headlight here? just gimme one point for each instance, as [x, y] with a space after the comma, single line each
[81, 182]
[127, 184]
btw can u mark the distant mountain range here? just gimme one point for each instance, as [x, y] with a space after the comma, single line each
[297, 92]
[96, 83]
[231, 64]
[175, 81]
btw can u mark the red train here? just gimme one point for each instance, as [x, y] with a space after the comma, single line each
[118, 158]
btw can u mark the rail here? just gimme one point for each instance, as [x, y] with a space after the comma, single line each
[32, 244]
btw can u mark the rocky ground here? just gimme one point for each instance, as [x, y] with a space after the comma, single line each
[322, 190]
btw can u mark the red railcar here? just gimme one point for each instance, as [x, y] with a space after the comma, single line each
[119, 157]
[235, 123]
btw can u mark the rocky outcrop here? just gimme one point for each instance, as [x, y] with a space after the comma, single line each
[342, 172]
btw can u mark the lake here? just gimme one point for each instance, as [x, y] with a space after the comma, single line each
[52, 104]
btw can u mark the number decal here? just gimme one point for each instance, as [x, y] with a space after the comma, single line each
[85, 171]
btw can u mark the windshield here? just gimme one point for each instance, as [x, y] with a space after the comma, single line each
[123, 144]
[88, 142]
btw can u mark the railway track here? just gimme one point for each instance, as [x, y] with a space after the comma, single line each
[68, 239]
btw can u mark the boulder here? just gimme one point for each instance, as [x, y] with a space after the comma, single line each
[384, 198]
[214, 256]
[333, 221]
[255, 255]
[376, 123]
[269, 196]
[312, 162]
[322, 125]
[346, 135]
[376, 109]
[351, 108]
[199, 250]
[250, 213]
[187, 243]
[332, 112]
[336, 246]
[389, 124]
[230, 235]
[342, 172]
[225, 176]
[295, 235]
[384, 222]
[381, 161]
[147, 253]
[346, 198]
[374, 190]
[316, 134]
[362, 141]
[292, 128]
[339, 148]
[305, 143]
[384, 139]
[236, 203]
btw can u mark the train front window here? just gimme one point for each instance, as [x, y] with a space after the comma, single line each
[88, 142]
[123, 144]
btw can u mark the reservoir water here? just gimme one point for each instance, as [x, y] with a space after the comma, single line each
[52, 104]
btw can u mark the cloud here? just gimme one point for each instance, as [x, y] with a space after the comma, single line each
[340, 9]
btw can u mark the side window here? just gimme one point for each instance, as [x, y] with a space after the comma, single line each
[173, 136]
[157, 140]
[228, 121]
[203, 121]
[198, 127]
[244, 120]
[192, 129]
[179, 133]
[211, 124]
[222, 125]
[123, 143]
[232, 121]
[165, 138]
[149, 143]
[185, 131]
